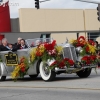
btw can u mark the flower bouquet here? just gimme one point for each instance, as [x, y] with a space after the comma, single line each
[21, 69]
[50, 51]
[88, 50]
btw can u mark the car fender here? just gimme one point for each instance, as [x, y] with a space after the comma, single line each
[3, 70]
[49, 61]
[32, 69]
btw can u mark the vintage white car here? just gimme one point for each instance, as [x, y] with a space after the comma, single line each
[69, 51]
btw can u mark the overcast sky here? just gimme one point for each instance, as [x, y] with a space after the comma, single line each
[57, 4]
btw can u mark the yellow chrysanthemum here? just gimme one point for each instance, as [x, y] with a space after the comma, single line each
[92, 49]
[15, 74]
[73, 41]
[59, 49]
[32, 54]
[41, 49]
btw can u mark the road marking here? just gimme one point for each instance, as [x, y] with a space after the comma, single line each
[50, 87]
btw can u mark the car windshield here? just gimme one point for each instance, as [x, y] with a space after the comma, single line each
[37, 41]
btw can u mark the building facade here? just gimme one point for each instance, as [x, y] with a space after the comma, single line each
[58, 24]
[68, 22]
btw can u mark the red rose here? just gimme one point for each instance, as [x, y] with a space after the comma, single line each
[50, 46]
[93, 57]
[23, 69]
[66, 59]
[91, 42]
[61, 64]
[87, 49]
[71, 62]
[85, 58]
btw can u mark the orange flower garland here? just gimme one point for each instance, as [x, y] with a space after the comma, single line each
[21, 69]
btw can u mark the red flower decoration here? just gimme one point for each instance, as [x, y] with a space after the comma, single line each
[62, 64]
[93, 57]
[81, 41]
[22, 60]
[71, 62]
[50, 46]
[66, 59]
[91, 42]
[89, 59]
[54, 63]
[81, 38]
[87, 49]
[23, 69]
[38, 53]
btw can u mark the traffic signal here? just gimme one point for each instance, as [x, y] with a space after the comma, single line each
[98, 12]
[37, 4]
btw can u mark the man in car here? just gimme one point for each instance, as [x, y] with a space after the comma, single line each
[18, 42]
[5, 45]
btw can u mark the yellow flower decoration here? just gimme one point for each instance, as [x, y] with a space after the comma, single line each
[73, 41]
[41, 49]
[59, 49]
[15, 74]
[32, 54]
[92, 49]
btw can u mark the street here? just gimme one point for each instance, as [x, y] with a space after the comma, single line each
[69, 87]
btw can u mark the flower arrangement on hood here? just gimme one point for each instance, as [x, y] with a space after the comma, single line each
[21, 69]
[88, 51]
[50, 51]
[87, 46]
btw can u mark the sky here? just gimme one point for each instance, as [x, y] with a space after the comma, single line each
[52, 4]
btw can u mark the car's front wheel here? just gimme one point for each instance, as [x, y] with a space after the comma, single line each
[84, 73]
[46, 73]
[3, 78]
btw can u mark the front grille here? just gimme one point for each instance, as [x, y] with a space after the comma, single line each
[69, 52]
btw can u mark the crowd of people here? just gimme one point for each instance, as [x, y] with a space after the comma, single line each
[5, 46]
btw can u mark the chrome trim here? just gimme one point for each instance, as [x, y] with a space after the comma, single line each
[72, 68]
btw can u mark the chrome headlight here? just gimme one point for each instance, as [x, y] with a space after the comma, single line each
[79, 50]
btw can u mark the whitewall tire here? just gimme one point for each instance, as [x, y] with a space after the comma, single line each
[46, 74]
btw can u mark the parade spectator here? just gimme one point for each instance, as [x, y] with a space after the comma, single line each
[37, 42]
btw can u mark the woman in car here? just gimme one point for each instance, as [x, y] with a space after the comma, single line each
[23, 45]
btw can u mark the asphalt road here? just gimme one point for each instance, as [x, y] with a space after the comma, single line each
[65, 87]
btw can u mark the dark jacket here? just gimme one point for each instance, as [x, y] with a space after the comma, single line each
[4, 48]
[16, 47]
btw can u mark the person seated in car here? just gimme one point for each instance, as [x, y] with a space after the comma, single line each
[38, 42]
[18, 42]
[5, 45]
[23, 45]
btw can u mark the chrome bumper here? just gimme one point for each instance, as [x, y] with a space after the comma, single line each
[73, 69]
